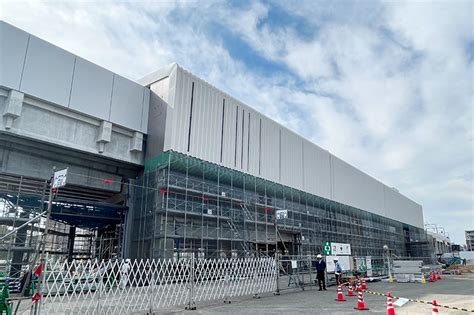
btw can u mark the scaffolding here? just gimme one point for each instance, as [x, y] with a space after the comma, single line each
[183, 203]
[23, 203]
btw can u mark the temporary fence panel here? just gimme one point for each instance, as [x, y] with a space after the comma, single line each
[126, 287]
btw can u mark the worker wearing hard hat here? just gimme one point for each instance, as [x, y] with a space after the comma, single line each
[337, 270]
[320, 269]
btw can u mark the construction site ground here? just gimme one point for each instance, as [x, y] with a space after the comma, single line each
[452, 290]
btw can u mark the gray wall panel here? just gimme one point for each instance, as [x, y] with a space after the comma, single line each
[145, 110]
[400, 208]
[127, 98]
[353, 187]
[270, 163]
[48, 72]
[91, 89]
[291, 159]
[229, 141]
[317, 174]
[12, 55]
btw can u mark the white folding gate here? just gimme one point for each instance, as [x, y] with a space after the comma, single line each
[146, 286]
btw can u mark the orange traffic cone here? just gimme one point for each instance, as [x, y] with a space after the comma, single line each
[339, 296]
[435, 309]
[438, 275]
[432, 278]
[390, 309]
[360, 302]
[350, 291]
[364, 285]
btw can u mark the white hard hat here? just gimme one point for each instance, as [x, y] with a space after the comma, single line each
[127, 260]
[319, 256]
[336, 259]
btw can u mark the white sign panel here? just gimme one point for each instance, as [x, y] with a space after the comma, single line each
[294, 264]
[368, 263]
[344, 261]
[282, 214]
[59, 179]
[341, 249]
[400, 302]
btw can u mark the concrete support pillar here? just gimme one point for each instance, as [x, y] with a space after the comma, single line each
[136, 144]
[13, 106]
[105, 135]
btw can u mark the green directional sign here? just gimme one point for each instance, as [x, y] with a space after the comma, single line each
[327, 248]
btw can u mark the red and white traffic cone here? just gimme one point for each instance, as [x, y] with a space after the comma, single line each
[390, 309]
[364, 285]
[435, 309]
[340, 296]
[438, 275]
[360, 302]
[350, 291]
[358, 287]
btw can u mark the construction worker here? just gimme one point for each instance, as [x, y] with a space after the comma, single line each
[320, 269]
[124, 273]
[337, 270]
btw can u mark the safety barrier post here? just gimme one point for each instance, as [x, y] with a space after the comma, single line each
[191, 306]
[277, 267]
[309, 268]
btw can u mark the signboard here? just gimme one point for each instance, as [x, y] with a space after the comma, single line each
[360, 264]
[368, 264]
[327, 248]
[344, 261]
[340, 249]
[59, 179]
[330, 248]
[281, 214]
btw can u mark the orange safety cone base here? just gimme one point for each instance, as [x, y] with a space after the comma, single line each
[340, 300]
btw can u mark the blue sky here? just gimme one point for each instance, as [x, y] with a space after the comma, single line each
[386, 86]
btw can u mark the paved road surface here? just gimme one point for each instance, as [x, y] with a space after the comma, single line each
[452, 290]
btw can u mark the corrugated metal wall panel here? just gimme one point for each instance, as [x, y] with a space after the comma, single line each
[270, 162]
[254, 143]
[206, 123]
[317, 174]
[291, 159]
[230, 134]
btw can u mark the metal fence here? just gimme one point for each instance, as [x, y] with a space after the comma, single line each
[145, 286]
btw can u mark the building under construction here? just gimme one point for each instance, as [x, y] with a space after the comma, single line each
[170, 164]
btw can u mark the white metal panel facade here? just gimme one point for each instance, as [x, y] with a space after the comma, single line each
[270, 155]
[291, 159]
[222, 130]
[400, 208]
[91, 80]
[353, 187]
[46, 72]
[317, 170]
[12, 55]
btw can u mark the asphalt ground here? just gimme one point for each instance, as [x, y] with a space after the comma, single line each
[454, 291]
